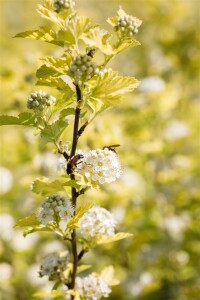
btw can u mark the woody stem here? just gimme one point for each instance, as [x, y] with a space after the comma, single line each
[73, 190]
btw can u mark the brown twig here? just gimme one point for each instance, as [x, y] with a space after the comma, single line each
[73, 191]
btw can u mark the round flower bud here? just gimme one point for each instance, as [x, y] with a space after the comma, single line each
[40, 100]
[52, 265]
[127, 25]
[61, 5]
[101, 165]
[55, 208]
[96, 223]
[83, 68]
[92, 287]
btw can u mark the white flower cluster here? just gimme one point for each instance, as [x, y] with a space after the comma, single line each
[40, 100]
[60, 5]
[92, 287]
[52, 265]
[100, 165]
[55, 208]
[128, 25]
[96, 223]
[83, 68]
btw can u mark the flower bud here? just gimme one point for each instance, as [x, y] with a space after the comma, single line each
[40, 100]
[82, 68]
[61, 5]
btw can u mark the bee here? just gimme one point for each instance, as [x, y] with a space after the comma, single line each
[73, 162]
[111, 147]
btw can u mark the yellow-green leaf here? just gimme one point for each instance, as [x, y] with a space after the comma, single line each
[45, 187]
[110, 87]
[125, 44]
[27, 222]
[25, 118]
[53, 294]
[114, 238]
[57, 83]
[81, 210]
[47, 12]
[44, 34]
[51, 133]
[82, 268]
[98, 38]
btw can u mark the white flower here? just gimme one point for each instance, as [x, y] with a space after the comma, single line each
[45, 216]
[97, 222]
[6, 180]
[55, 206]
[93, 287]
[176, 130]
[100, 165]
[52, 264]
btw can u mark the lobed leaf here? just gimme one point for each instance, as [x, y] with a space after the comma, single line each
[45, 187]
[47, 71]
[36, 229]
[24, 118]
[51, 133]
[47, 12]
[114, 238]
[79, 25]
[98, 38]
[81, 210]
[56, 82]
[66, 112]
[27, 222]
[110, 87]
[60, 63]
[53, 294]
[125, 44]
[44, 34]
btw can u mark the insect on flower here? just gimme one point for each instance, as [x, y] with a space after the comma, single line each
[111, 147]
[73, 162]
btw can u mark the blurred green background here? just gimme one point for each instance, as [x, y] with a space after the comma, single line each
[158, 196]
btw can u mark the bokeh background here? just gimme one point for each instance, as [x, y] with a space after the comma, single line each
[158, 196]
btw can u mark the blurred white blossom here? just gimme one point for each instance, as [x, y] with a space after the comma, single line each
[46, 162]
[97, 222]
[6, 229]
[6, 180]
[152, 84]
[176, 130]
[21, 243]
[144, 280]
[5, 271]
[92, 287]
[175, 225]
